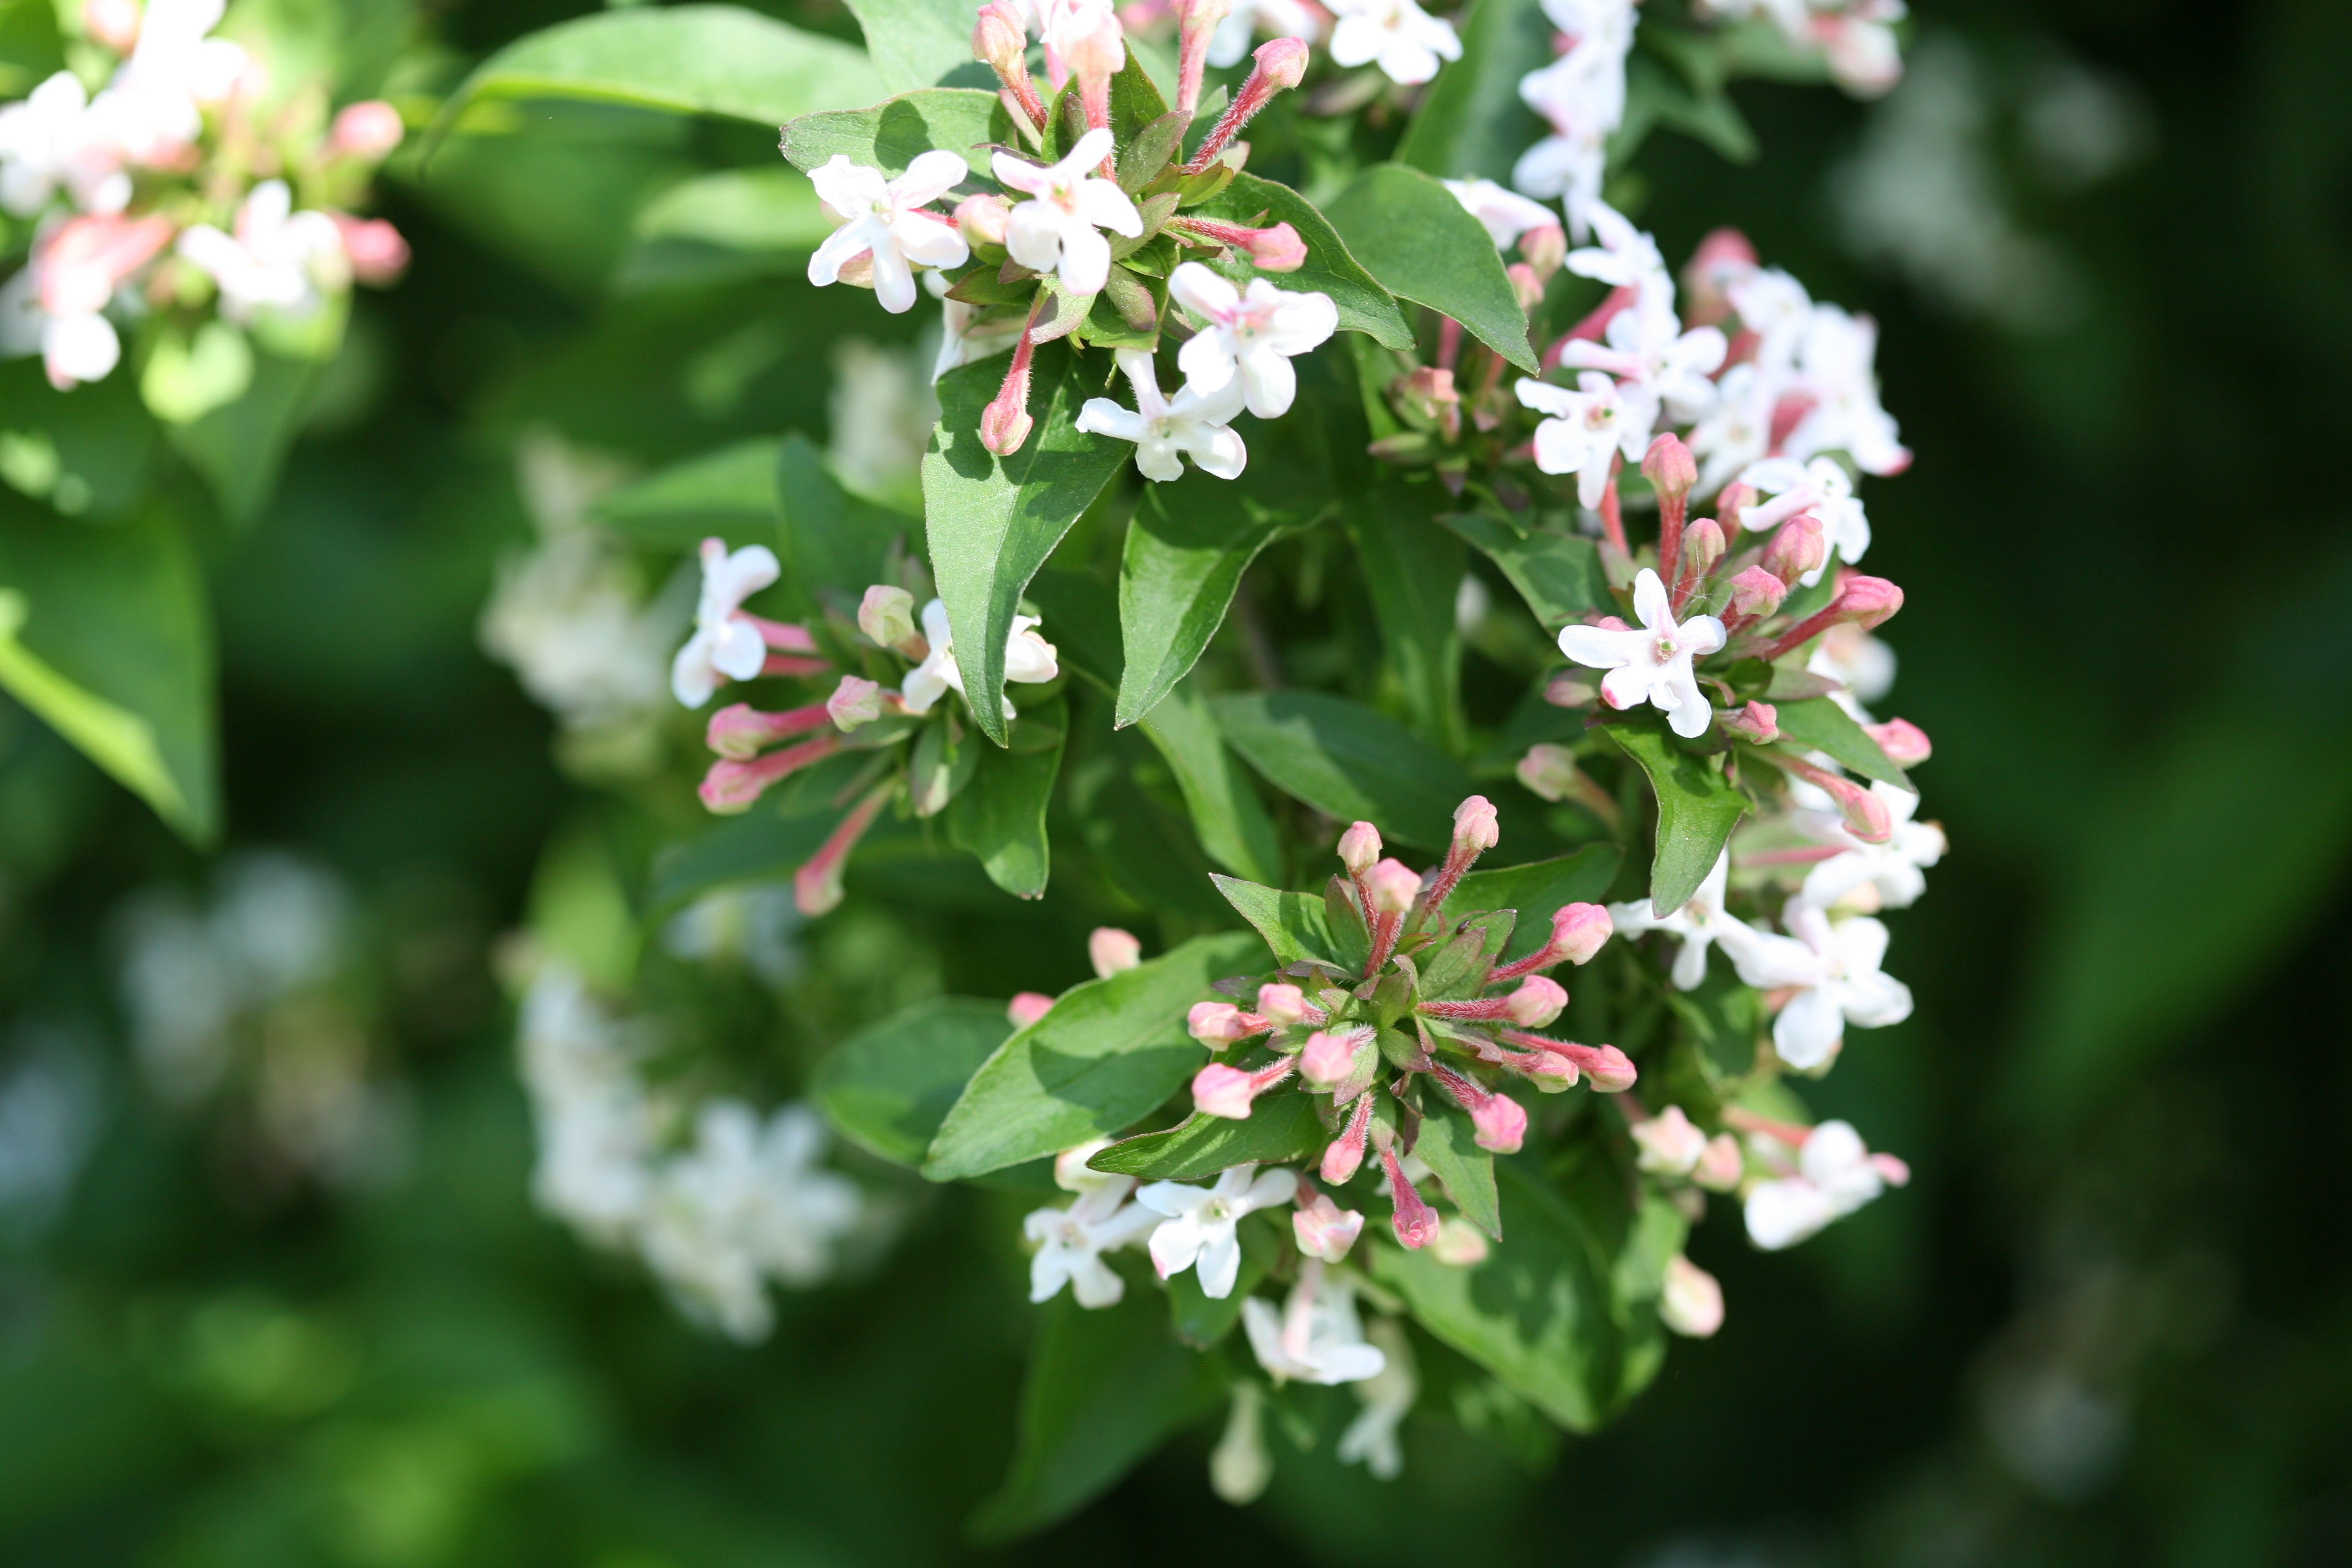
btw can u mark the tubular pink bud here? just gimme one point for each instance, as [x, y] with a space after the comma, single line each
[1220, 1091]
[1345, 1155]
[1537, 1002]
[1755, 593]
[1578, 931]
[1328, 1060]
[1325, 1230]
[980, 219]
[1670, 1145]
[374, 248]
[854, 702]
[1501, 1124]
[1865, 601]
[1609, 1069]
[1526, 285]
[1797, 549]
[1286, 1004]
[1865, 815]
[816, 886]
[1027, 1007]
[1474, 826]
[1217, 1025]
[887, 616]
[1722, 259]
[1092, 47]
[1572, 690]
[1758, 723]
[1111, 950]
[1359, 847]
[1393, 888]
[1543, 250]
[1549, 1071]
[1547, 771]
[730, 787]
[1703, 547]
[740, 730]
[1416, 1222]
[1731, 504]
[1196, 23]
[1280, 65]
[1275, 249]
[1904, 743]
[1005, 423]
[1671, 471]
[999, 39]
[369, 129]
[1720, 1164]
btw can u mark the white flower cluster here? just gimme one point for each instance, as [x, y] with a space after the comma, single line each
[1406, 42]
[1855, 38]
[1581, 96]
[744, 1204]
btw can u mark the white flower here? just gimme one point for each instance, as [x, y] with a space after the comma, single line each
[1275, 18]
[1836, 358]
[725, 646]
[1388, 1395]
[595, 1126]
[1564, 165]
[1506, 214]
[1658, 364]
[1582, 95]
[277, 259]
[1626, 258]
[1773, 305]
[1738, 431]
[1653, 663]
[1585, 428]
[1865, 663]
[1200, 1220]
[1700, 923]
[1892, 869]
[1028, 658]
[1252, 336]
[886, 218]
[151, 108]
[1056, 229]
[1845, 986]
[1315, 1338]
[54, 141]
[75, 347]
[1071, 1242]
[1820, 486]
[1835, 1175]
[566, 617]
[1199, 426]
[1407, 42]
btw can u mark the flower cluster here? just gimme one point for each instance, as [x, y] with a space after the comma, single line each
[1582, 97]
[187, 178]
[1855, 38]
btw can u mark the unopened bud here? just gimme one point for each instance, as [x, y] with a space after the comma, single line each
[1868, 601]
[1758, 723]
[1731, 506]
[1026, 1007]
[1670, 1145]
[1393, 886]
[1722, 259]
[1071, 1172]
[1000, 38]
[1360, 847]
[1797, 549]
[980, 219]
[373, 249]
[1721, 1165]
[1578, 931]
[1549, 1071]
[1703, 547]
[1474, 826]
[1217, 1025]
[1525, 284]
[1459, 1245]
[369, 129]
[1904, 743]
[1220, 1091]
[1669, 467]
[1547, 771]
[1324, 1229]
[1543, 250]
[1611, 1070]
[1275, 249]
[1005, 423]
[1111, 950]
[1416, 1222]
[887, 615]
[1537, 1002]
[1091, 43]
[1755, 593]
[1500, 1123]
[1572, 690]
[1329, 1059]
[1281, 64]
[1344, 1156]
[1863, 813]
[1692, 1301]
[854, 702]
[1285, 1005]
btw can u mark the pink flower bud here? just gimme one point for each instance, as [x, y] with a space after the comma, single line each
[1670, 1145]
[1609, 1070]
[1755, 593]
[816, 886]
[1721, 1165]
[1005, 423]
[980, 219]
[1547, 771]
[1868, 601]
[1501, 1124]
[1393, 887]
[740, 730]
[1360, 847]
[1863, 813]
[1549, 1071]
[1525, 284]
[1217, 1025]
[1281, 64]
[1722, 259]
[1669, 467]
[114, 23]
[1459, 1245]
[1570, 690]
[1543, 250]
[854, 702]
[1578, 931]
[887, 615]
[732, 785]
[1890, 1169]
[1703, 547]
[376, 252]
[370, 130]
[1328, 1060]
[1285, 1004]
[1474, 826]
[1537, 1002]
[1345, 1155]
[1416, 1222]
[1692, 1303]
[1275, 249]
[1220, 1091]
[1904, 743]
[1324, 1229]
[1798, 548]
[1000, 39]
[1731, 504]
[1026, 1007]
[1758, 723]
[1111, 950]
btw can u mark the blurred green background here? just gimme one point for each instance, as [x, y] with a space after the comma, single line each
[2110, 246]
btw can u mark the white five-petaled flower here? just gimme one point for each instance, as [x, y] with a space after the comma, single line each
[1029, 658]
[1057, 228]
[1196, 424]
[1316, 1337]
[1892, 869]
[1584, 428]
[276, 259]
[1652, 664]
[889, 220]
[1249, 335]
[1833, 966]
[1199, 1228]
[725, 645]
[1820, 486]
[1835, 1175]
[1071, 1242]
[151, 108]
[1582, 95]
[1506, 214]
[55, 140]
[1388, 1395]
[1626, 258]
[1659, 365]
[1700, 923]
[1836, 357]
[1865, 663]
[1406, 42]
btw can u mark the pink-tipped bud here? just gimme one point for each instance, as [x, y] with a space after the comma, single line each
[1609, 1070]
[1527, 284]
[1670, 1144]
[1005, 423]
[1474, 826]
[1328, 1060]
[1027, 1007]
[1537, 1002]
[1722, 259]
[741, 731]
[370, 130]
[1416, 1222]
[1501, 1124]
[1570, 688]
[1703, 547]
[1000, 39]
[1285, 1004]
[1544, 248]
[1281, 64]
[1275, 249]
[1669, 467]
[1904, 743]
[1547, 771]
[1890, 1169]
[1111, 950]
[1692, 1301]
[1217, 1025]
[1324, 1229]
[1758, 723]
[1359, 847]
[374, 249]
[1393, 886]
[1220, 1091]
[1720, 1164]
[1459, 1245]
[1797, 549]
[887, 615]
[114, 23]
[1578, 931]
[1755, 593]
[1861, 812]
[1549, 1071]
[1732, 505]
[980, 219]
[856, 701]
[732, 785]
[1345, 1155]
[1868, 601]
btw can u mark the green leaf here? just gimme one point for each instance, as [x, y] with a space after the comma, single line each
[765, 209]
[1228, 819]
[1000, 816]
[1698, 809]
[84, 452]
[1448, 1145]
[1296, 926]
[1186, 551]
[1819, 724]
[1558, 574]
[687, 60]
[992, 520]
[1347, 762]
[1473, 122]
[1414, 569]
[889, 136]
[1279, 1129]
[919, 43]
[1537, 889]
[1110, 1051]
[1409, 231]
[186, 376]
[240, 446]
[106, 633]
[730, 492]
[1537, 1314]
[833, 543]
[888, 1087]
[1105, 1389]
[1363, 305]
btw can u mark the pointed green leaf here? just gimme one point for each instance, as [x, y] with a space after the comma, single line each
[999, 815]
[1347, 762]
[888, 1087]
[1228, 819]
[1409, 231]
[1185, 553]
[921, 43]
[730, 492]
[889, 136]
[1280, 1129]
[1296, 925]
[1558, 574]
[1364, 306]
[1414, 569]
[1698, 809]
[1819, 724]
[1448, 1145]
